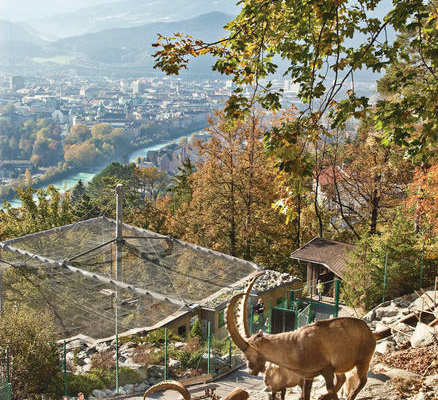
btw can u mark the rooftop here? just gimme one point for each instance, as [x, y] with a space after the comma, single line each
[329, 253]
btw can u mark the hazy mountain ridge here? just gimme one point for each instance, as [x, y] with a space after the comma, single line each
[127, 13]
[19, 10]
[15, 32]
[113, 48]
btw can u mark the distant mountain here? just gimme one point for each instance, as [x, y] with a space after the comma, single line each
[17, 43]
[13, 32]
[134, 45]
[19, 10]
[113, 51]
[126, 14]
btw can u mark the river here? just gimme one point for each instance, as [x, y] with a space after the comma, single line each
[70, 181]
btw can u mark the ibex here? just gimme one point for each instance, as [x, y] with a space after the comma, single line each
[236, 394]
[276, 378]
[328, 348]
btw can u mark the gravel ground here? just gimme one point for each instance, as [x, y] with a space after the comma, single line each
[385, 384]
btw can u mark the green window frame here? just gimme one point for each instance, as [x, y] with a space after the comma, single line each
[221, 321]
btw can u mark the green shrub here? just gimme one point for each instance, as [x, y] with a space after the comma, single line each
[34, 357]
[157, 337]
[95, 379]
[196, 329]
[128, 375]
[84, 383]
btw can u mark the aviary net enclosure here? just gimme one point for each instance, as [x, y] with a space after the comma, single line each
[88, 279]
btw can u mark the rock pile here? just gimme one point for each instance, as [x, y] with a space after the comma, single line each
[409, 321]
[407, 357]
[82, 354]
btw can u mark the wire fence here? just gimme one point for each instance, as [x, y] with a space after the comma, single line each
[5, 391]
[130, 365]
[300, 307]
[5, 385]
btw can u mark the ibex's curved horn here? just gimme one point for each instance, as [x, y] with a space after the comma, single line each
[243, 311]
[235, 335]
[166, 385]
[237, 394]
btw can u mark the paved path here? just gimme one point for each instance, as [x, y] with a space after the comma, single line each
[240, 378]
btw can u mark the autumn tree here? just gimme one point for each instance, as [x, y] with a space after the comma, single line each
[423, 193]
[233, 188]
[366, 180]
[151, 182]
[315, 45]
[48, 210]
[401, 248]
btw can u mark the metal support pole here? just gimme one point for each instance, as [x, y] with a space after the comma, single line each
[229, 353]
[434, 292]
[117, 272]
[165, 353]
[8, 376]
[117, 363]
[384, 277]
[309, 314]
[337, 286]
[209, 347]
[421, 265]
[65, 369]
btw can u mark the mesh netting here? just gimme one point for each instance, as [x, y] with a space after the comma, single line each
[86, 304]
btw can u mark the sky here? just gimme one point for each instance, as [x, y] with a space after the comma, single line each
[20, 10]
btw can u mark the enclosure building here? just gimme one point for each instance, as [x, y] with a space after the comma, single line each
[94, 277]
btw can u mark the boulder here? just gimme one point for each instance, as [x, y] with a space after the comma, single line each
[389, 320]
[86, 368]
[129, 388]
[401, 333]
[370, 316]
[155, 371]
[384, 346]
[142, 387]
[418, 303]
[98, 394]
[388, 311]
[91, 351]
[423, 335]
[174, 363]
[76, 344]
[101, 347]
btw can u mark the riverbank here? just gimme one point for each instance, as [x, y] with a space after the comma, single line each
[68, 179]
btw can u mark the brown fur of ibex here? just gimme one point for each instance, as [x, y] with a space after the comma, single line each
[276, 378]
[328, 348]
[236, 394]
